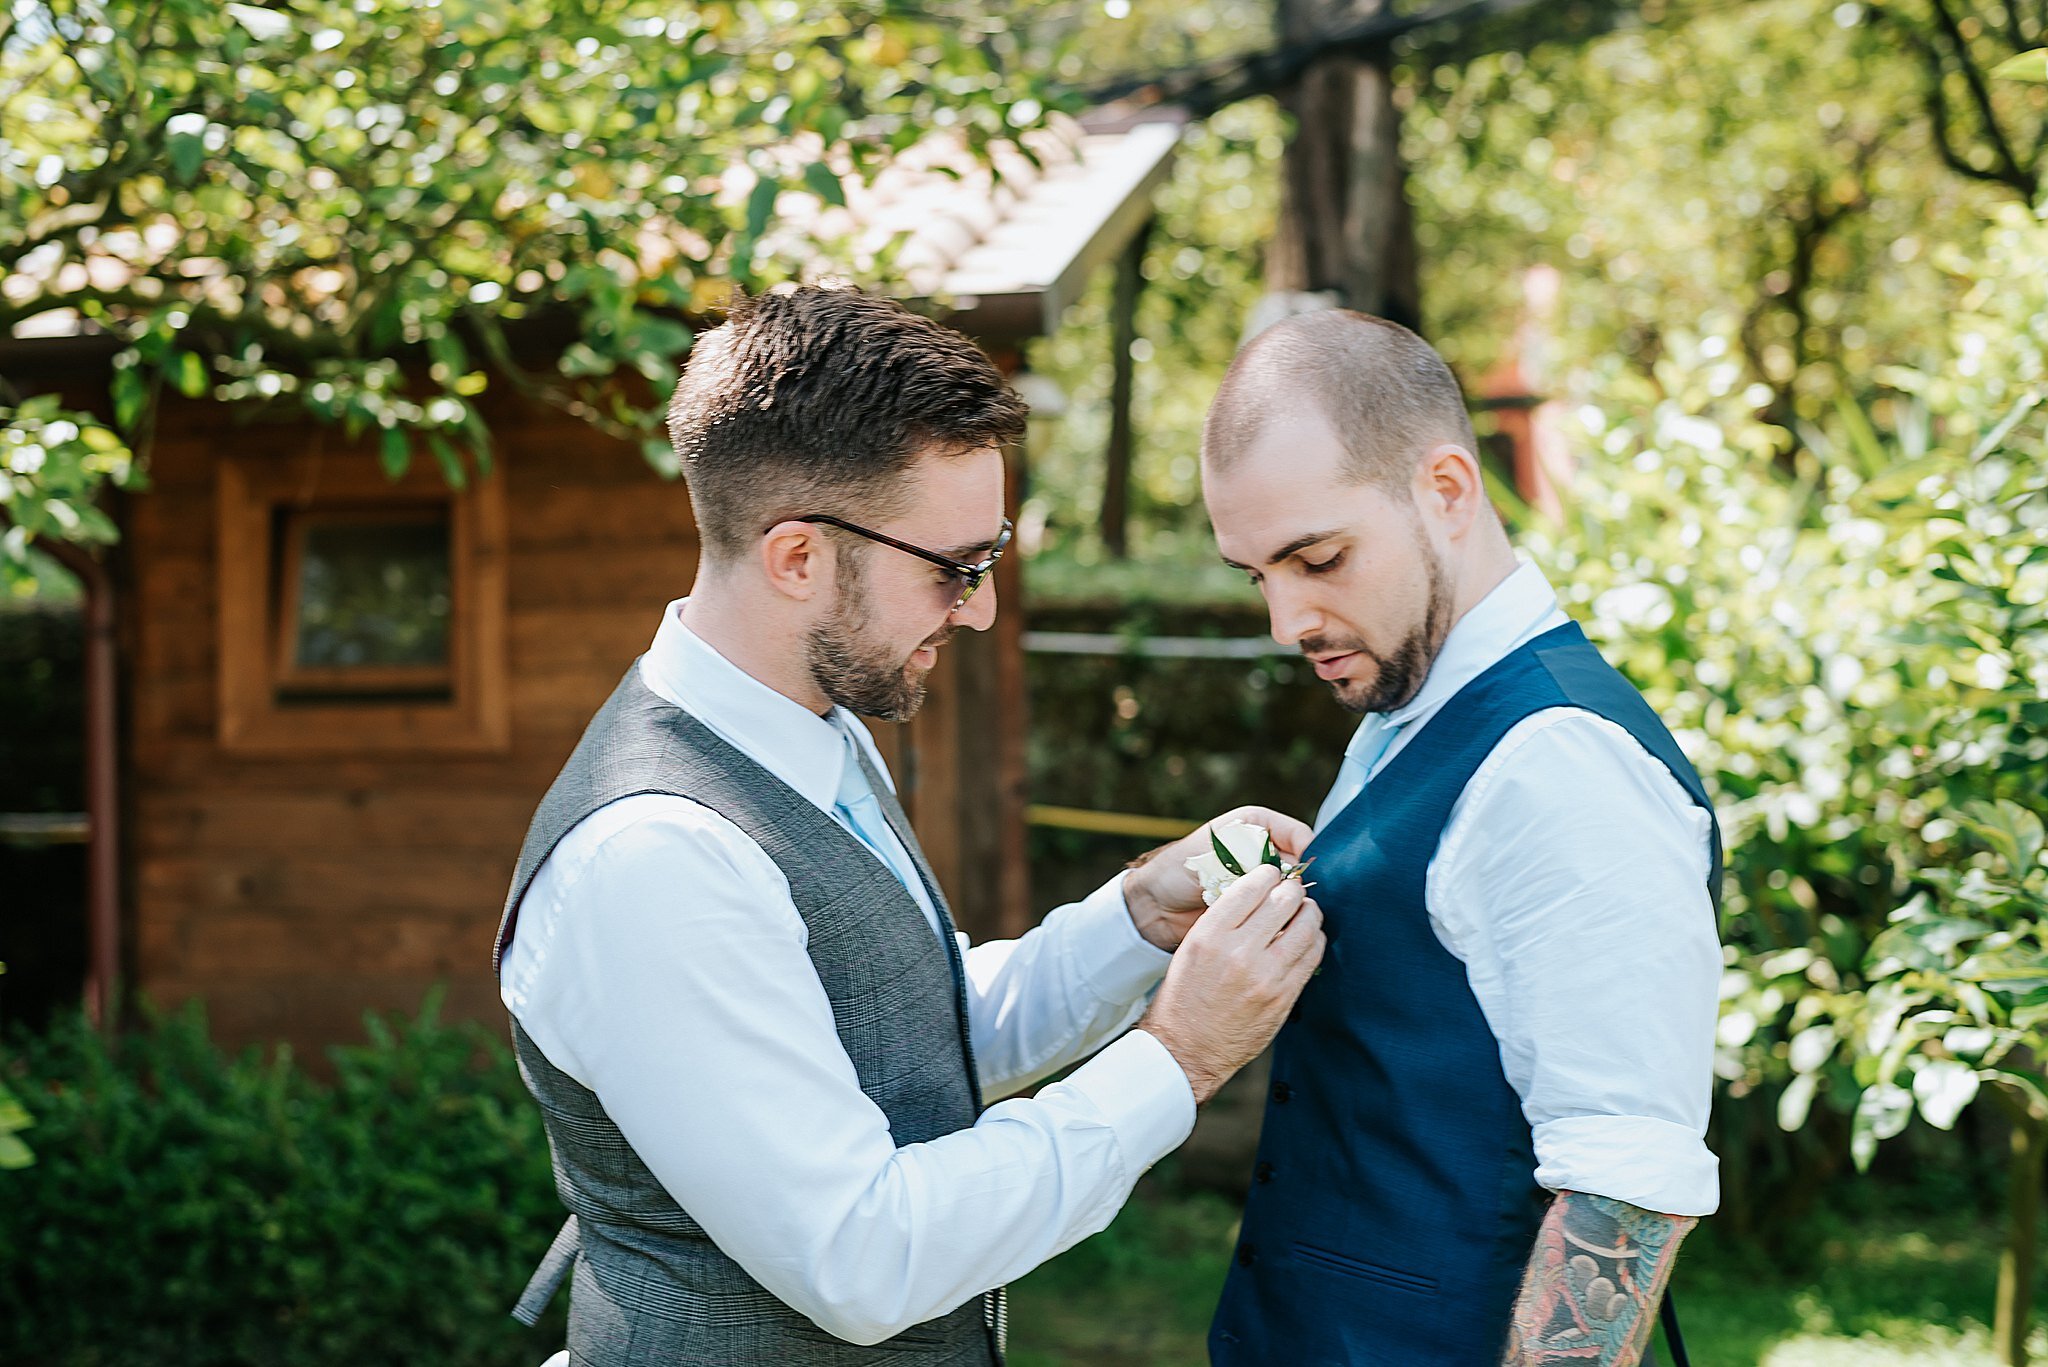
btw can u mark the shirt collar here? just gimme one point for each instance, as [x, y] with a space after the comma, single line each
[1520, 607]
[790, 741]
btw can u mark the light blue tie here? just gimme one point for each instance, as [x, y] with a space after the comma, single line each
[1368, 743]
[857, 805]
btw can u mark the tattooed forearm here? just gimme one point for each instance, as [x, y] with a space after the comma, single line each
[1590, 1294]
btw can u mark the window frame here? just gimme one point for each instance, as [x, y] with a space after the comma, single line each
[365, 680]
[265, 504]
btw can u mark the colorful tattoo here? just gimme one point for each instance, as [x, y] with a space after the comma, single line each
[1594, 1280]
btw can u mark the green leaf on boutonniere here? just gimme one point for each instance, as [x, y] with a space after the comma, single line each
[1271, 855]
[1224, 856]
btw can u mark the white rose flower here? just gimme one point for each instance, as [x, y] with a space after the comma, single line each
[1247, 844]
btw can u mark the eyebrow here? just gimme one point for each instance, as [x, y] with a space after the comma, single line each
[969, 553]
[1294, 547]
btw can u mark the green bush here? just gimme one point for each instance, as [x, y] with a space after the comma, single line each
[188, 1208]
[1852, 643]
[14, 1118]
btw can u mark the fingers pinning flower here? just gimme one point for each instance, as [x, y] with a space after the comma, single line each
[1235, 848]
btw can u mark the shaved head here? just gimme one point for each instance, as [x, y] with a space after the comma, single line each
[1384, 391]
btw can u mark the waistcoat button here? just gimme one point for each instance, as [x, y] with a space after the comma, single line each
[1246, 1255]
[1263, 1173]
[1281, 1091]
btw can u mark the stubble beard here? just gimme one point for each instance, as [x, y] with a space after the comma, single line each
[859, 674]
[1400, 672]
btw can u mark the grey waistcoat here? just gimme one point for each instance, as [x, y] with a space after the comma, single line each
[649, 1286]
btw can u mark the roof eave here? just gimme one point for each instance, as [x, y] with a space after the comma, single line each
[1034, 306]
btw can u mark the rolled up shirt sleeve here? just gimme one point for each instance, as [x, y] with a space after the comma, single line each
[1572, 881]
[665, 969]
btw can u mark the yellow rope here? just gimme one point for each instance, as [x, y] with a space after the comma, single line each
[1109, 823]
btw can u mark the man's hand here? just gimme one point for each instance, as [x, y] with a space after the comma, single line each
[1165, 899]
[1235, 977]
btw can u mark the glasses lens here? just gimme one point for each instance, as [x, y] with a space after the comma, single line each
[966, 585]
[971, 580]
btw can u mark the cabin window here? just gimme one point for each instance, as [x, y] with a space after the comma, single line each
[366, 602]
[358, 613]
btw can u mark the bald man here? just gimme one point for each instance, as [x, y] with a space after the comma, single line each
[1485, 1138]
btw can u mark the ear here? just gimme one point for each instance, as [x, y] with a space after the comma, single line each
[796, 560]
[1450, 489]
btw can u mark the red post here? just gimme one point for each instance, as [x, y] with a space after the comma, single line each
[102, 786]
[1516, 387]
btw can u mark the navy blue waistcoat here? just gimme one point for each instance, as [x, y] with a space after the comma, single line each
[1394, 1204]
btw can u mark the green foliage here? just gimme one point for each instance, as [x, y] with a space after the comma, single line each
[1202, 271]
[1808, 523]
[1167, 736]
[1805, 378]
[1180, 570]
[191, 1208]
[1856, 657]
[1981, 130]
[52, 460]
[348, 208]
[14, 1118]
[1766, 173]
[1960, 992]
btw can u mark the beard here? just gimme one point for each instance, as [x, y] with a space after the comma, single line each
[1398, 673]
[857, 672]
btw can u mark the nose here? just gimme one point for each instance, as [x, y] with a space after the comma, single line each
[1292, 618]
[978, 613]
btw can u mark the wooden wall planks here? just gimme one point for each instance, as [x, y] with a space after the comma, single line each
[294, 893]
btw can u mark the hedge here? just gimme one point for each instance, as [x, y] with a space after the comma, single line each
[188, 1208]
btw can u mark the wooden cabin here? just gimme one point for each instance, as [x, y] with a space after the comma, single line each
[340, 697]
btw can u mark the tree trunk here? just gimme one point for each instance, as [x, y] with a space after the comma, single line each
[2016, 1264]
[1345, 227]
[1123, 335]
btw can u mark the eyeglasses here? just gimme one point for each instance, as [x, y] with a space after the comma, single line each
[968, 576]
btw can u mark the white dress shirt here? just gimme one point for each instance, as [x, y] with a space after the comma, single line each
[660, 962]
[1571, 880]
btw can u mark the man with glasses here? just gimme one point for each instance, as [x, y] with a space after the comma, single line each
[764, 1057]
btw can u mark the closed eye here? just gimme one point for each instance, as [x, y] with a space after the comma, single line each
[1323, 566]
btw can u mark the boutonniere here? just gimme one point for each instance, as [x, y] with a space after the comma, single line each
[1234, 849]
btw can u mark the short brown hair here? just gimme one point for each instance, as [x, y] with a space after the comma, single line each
[1384, 390]
[817, 400]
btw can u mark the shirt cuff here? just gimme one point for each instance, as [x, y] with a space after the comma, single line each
[1142, 1095]
[1117, 963]
[1652, 1164]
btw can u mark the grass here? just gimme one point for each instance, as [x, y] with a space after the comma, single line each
[1879, 1292]
[1873, 1294]
[1136, 1295]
